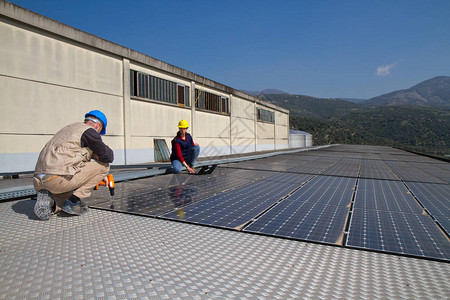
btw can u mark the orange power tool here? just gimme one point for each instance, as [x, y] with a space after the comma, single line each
[111, 184]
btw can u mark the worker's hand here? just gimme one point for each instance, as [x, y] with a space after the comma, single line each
[105, 180]
[190, 170]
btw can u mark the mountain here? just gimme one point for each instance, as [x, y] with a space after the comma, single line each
[266, 92]
[334, 121]
[273, 92]
[253, 93]
[433, 93]
[352, 100]
[311, 107]
[418, 129]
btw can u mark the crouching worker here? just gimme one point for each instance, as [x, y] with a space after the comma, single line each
[184, 150]
[64, 172]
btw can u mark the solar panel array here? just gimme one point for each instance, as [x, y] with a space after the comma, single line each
[315, 212]
[367, 197]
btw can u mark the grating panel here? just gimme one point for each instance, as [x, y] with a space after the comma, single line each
[161, 151]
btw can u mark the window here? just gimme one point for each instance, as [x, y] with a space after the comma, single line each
[211, 102]
[183, 95]
[151, 87]
[265, 115]
[224, 104]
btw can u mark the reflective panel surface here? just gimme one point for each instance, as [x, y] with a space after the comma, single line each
[368, 197]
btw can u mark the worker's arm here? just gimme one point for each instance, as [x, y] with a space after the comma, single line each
[93, 140]
[179, 156]
[177, 150]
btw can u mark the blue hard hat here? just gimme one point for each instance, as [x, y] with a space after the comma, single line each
[101, 116]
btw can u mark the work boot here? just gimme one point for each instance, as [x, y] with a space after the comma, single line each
[78, 208]
[44, 205]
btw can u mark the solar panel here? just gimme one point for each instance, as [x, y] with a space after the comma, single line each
[315, 166]
[436, 200]
[437, 169]
[303, 220]
[376, 169]
[288, 163]
[434, 197]
[157, 195]
[344, 167]
[236, 207]
[385, 195]
[408, 172]
[444, 222]
[316, 212]
[397, 232]
[288, 177]
[397, 207]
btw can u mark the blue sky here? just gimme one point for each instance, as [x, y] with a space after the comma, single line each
[353, 49]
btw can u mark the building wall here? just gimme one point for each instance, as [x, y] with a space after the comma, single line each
[242, 126]
[265, 136]
[212, 132]
[281, 130]
[52, 74]
[46, 83]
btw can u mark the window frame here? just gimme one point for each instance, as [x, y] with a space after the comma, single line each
[212, 102]
[265, 116]
[149, 87]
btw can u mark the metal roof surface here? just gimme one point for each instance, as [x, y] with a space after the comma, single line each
[109, 254]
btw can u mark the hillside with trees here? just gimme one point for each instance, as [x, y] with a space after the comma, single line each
[333, 121]
[433, 93]
[310, 107]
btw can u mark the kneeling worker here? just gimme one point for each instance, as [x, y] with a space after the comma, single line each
[184, 150]
[64, 172]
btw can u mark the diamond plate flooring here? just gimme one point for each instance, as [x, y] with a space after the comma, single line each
[110, 255]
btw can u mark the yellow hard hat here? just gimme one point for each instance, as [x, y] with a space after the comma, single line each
[183, 124]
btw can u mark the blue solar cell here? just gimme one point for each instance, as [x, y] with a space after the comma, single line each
[236, 207]
[436, 200]
[397, 232]
[159, 195]
[385, 195]
[278, 217]
[376, 169]
[289, 177]
[348, 167]
[434, 197]
[316, 212]
[408, 172]
[444, 222]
